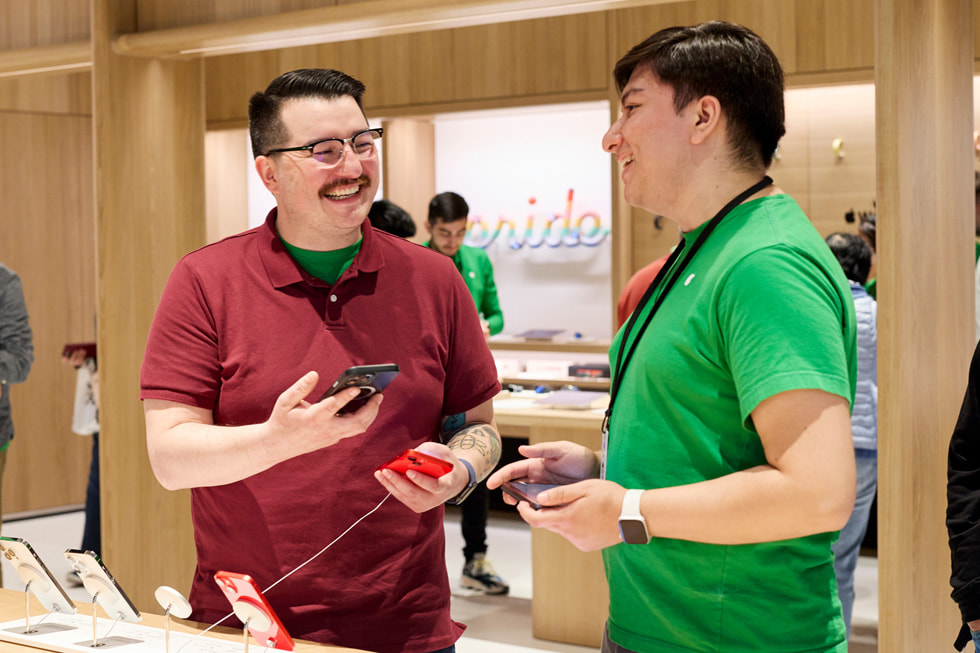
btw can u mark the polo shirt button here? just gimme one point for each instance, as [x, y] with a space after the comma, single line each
[333, 298]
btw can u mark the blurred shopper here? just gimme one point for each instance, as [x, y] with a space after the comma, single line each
[854, 256]
[963, 509]
[727, 468]
[388, 216]
[16, 352]
[446, 224]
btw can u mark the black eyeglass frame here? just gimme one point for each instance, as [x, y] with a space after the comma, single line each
[343, 141]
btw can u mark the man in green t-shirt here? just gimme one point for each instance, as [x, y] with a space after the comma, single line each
[727, 468]
[447, 228]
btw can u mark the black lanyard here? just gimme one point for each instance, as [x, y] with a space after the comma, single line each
[675, 275]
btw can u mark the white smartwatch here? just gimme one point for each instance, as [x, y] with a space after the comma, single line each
[632, 526]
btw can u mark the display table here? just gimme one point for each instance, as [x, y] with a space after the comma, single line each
[149, 631]
[570, 597]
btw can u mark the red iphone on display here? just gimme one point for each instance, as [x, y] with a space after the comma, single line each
[251, 607]
[420, 462]
[371, 379]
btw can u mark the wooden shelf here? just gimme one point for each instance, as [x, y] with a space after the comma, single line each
[601, 383]
[567, 345]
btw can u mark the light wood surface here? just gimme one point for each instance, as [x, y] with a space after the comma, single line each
[226, 163]
[570, 595]
[58, 58]
[498, 343]
[345, 22]
[150, 210]
[925, 306]
[409, 168]
[12, 608]
[48, 238]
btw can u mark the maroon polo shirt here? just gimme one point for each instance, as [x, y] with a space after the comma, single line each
[238, 323]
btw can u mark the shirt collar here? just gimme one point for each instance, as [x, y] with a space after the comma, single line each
[284, 271]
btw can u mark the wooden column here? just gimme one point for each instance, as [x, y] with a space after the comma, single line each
[410, 168]
[925, 301]
[149, 189]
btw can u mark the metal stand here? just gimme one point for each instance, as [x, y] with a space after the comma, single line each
[173, 603]
[249, 613]
[95, 620]
[27, 610]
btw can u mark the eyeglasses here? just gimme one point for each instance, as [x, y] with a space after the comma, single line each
[330, 151]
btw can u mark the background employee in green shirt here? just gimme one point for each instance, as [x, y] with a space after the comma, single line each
[447, 229]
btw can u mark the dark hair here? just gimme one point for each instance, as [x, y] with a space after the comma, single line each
[265, 108]
[729, 62]
[853, 254]
[868, 230]
[448, 207]
[388, 216]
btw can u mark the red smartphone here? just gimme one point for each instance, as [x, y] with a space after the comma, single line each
[251, 607]
[524, 491]
[369, 379]
[87, 347]
[420, 462]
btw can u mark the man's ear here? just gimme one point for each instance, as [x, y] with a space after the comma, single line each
[267, 172]
[708, 118]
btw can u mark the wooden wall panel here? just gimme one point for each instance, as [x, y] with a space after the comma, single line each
[164, 14]
[409, 169]
[226, 160]
[47, 236]
[65, 94]
[31, 23]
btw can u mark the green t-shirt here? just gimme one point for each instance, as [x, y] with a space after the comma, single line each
[762, 308]
[477, 271]
[326, 266]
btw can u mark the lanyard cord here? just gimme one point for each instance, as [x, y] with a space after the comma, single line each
[667, 269]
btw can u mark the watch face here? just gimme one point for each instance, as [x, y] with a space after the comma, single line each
[633, 531]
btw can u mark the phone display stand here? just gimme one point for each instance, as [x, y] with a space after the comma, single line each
[251, 614]
[173, 603]
[39, 582]
[105, 595]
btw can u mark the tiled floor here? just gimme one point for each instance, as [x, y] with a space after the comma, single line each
[494, 624]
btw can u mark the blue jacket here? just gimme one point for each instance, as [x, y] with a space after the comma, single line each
[16, 346]
[864, 417]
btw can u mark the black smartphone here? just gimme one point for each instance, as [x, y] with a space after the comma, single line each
[371, 379]
[524, 491]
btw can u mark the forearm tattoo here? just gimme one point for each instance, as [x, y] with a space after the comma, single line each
[479, 437]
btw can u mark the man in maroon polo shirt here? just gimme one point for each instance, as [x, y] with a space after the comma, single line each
[251, 330]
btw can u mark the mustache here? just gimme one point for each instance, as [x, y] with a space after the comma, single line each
[363, 180]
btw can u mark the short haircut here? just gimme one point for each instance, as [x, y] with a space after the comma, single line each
[728, 62]
[868, 229]
[853, 254]
[265, 108]
[448, 207]
[388, 216]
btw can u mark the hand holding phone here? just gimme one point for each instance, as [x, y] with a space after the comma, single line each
[418, 461]
[370, 379]
[524, 491]
[102, 586]
[252, 608]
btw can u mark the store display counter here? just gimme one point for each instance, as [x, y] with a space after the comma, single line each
[148, 635]
[570, 597]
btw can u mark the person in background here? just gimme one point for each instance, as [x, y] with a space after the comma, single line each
[854, 255]
[868, 231]
[963, 509]
[727, 468]
[388, 216]
[446, 225]
[85, 421]
[634, 289]
[16, 352]
[250, 332]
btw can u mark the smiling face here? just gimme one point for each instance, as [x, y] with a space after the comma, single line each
[320, 206]
[652, 142]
